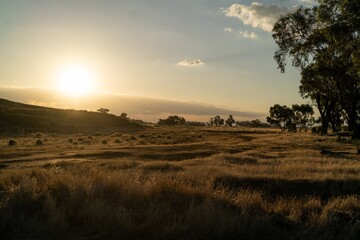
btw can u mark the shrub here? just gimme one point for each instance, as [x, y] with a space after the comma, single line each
[117, 141]
[104, 141]
[12, 142]
[90, 138]
[38, 142]
[70, 140]
[80, 139]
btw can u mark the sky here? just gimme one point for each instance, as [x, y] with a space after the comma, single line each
[215, 52]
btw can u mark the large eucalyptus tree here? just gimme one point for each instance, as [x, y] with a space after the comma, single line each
[324, 43]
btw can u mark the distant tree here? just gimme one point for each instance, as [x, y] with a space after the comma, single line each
[253, 124]
[281, 116]
[303, 116]
[218, 121]
[123, 115]
[230, 121]
[258, 123]
[211, 122]
[172, 120]
[103, 110]
[195, 123]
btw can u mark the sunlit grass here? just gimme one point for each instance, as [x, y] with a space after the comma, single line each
[223, 185]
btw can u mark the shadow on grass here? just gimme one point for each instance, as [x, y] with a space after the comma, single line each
[273, 188]
[177, 156]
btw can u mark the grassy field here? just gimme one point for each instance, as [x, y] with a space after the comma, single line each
[180, 183]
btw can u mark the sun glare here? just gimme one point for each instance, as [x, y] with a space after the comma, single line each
[75, 80]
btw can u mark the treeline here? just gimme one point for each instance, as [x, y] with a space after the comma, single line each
[216, 121]
[323, 43]
[297, 118]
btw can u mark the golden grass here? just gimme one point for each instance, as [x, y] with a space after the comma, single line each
[212, 184]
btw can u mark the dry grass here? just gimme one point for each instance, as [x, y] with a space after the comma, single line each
[211, 184]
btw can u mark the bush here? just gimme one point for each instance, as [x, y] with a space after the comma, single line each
[80, 139]
[90, 138]
[12, 142]
[104, 141]
[38, 142]
[117, 141]
[70, 140]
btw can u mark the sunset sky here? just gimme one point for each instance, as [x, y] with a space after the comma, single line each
[217, 52]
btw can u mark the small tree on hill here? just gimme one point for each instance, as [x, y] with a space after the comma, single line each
[103, 110]
[172, 120]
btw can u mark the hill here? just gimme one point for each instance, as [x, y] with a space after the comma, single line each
[23, 118]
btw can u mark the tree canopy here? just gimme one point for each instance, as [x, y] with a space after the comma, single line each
[324, 43]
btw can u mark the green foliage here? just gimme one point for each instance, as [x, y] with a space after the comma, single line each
[281, 116]
[303, 116]
[323, 42]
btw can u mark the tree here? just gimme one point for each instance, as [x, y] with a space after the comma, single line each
[324, 40]
[123, 115]
[281, 116]
[303, 116]
[172, 120]
[230, 121]
[103, 110]
[218, 121]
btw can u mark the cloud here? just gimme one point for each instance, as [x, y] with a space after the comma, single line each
[250, 35]
[148, 109]
[228, 29]
[257, 15]
[191, 63]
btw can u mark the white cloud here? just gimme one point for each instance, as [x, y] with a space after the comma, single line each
[247, 34]
[191, 63]
[228, 29]
[257, 14]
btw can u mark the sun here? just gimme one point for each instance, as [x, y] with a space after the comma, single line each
[75, 80]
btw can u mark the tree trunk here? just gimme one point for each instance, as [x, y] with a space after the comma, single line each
[324, 125]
